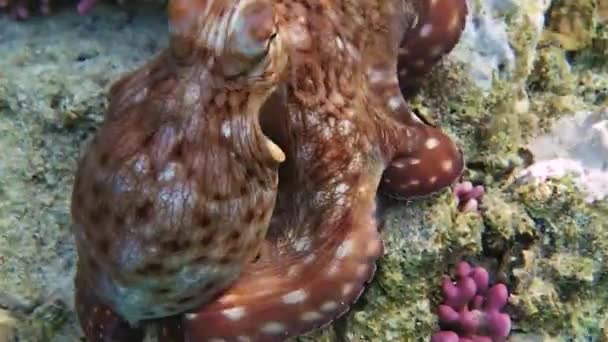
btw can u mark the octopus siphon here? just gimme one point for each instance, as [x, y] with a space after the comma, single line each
[230, 193]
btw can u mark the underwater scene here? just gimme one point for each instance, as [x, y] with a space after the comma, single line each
[303, 170]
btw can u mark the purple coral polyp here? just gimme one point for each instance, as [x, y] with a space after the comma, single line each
[471, 310]
[468, 196]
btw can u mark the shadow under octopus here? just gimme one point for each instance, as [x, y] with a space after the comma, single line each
[230, 193]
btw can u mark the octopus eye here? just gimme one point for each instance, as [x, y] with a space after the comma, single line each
[251, 35]
[238, 34]
[252, 28]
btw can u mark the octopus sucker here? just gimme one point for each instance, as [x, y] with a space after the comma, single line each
[435, 33]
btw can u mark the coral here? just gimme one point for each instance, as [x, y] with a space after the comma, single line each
[471, 310]
[468, 196]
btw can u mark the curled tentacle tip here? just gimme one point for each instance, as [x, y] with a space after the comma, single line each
[436, 164]
[275, 151]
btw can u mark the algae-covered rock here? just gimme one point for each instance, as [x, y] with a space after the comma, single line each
[54, 73]
[572, 23]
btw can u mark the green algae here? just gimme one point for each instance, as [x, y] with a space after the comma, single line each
[573, 23]
[543, 240]
[568, 258]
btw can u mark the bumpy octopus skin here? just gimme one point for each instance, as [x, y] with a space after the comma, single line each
[346, 130]
[175, 193]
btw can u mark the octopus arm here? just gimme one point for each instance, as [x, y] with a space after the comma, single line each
[98, 321]
[435, 163]
[438, 28]
[421, 159]
[292, 292]
[102, 324]
[158, 232]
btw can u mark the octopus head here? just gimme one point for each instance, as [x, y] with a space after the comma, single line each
[239, 38]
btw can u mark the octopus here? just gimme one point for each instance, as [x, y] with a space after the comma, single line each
[230, 192]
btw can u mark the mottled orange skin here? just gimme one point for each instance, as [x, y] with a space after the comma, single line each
[174, 194]
[338, 112]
